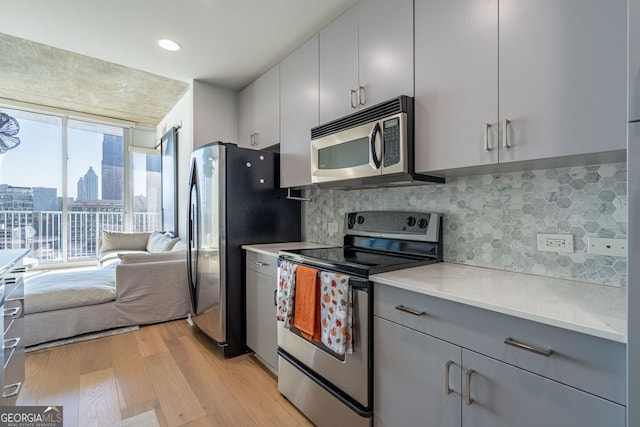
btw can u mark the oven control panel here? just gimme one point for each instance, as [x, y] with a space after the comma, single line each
[400, 224]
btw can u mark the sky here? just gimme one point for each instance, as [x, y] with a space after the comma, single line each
[37, 161]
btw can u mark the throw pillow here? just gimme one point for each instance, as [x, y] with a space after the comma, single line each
[180, 246]
[117, 240]
[165, 244]
[154, 238]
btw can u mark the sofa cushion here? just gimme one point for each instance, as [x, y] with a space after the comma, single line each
[118, 240]
[135, 258]
[58, 290]
[110, 259]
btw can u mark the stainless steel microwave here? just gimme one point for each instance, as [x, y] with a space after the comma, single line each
[369, 148]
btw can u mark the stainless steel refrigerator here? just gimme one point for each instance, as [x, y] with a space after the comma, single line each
[234, 199]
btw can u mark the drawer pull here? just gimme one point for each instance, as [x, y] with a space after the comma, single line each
[275, 297]
[13, 312]
[467, 385]
[16, 386]
[410, 310]
[11, 343]
[514, 343]
[447, 369]
[260, 263]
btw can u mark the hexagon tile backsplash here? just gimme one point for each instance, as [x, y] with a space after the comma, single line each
[492, 220]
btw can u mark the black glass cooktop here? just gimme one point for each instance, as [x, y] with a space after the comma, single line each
[355, 261]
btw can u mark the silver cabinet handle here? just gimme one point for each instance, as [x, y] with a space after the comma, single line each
[16, 386]
[505, 139]
[251, 140]
[410, 310]
[13, 312]
[510, 341]
[255, 139]
[447, 369]
[354, 98]
[486, 136]
[11, 343]
[467, 385]
[362, 99]
[261, 264]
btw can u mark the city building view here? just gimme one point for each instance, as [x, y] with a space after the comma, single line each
[58, 230]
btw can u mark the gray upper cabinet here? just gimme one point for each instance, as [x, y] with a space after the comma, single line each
[456, 63]
[385, 49]
[259, 111]
[634, 60]
[559, 84]
[338, 66]
[298, 113]
[366, 57]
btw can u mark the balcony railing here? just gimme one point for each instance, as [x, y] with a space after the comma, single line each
[41, 231]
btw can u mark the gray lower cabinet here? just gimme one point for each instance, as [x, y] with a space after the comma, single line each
[262, 335]
[12, 325]
[447, 365]
[502, 395]
[409, 378]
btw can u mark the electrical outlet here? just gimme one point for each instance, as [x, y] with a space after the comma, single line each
[610, 247]
[332, 227]
[560, 243]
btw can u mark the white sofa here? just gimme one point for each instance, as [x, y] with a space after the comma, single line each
[133, 287]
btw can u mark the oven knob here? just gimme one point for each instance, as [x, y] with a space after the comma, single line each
[360, 219]
[352, 220]
[422, 223]
[411, 221]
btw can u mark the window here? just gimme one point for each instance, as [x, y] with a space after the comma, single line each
[62, 181]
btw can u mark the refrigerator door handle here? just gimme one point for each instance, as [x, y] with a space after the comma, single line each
[192, 224]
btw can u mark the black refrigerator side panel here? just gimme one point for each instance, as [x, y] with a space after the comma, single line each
[257, 211]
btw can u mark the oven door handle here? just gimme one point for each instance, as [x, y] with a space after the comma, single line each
[359, 284]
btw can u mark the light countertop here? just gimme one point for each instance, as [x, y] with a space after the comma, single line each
[578, 306]
[274, 248]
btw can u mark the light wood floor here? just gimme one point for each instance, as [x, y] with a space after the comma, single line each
[170, 368]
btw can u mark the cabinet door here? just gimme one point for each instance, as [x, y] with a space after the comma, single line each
[506, 396]
[261, 317]
[456, 94]
[267, 110]
[298, 113]
[338, 65]
[562, 73]
[246, 113]
[385, 49]
[409, 378]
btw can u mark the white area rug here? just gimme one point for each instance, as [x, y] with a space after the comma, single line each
[146, 419]
[80, 338]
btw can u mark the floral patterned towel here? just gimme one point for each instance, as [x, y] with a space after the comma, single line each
[336, 312]
[286, 292]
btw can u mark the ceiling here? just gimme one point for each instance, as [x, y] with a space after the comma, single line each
[101, 57]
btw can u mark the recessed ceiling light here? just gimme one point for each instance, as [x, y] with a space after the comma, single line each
[169, 45]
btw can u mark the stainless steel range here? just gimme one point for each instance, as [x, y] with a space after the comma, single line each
[331, 388]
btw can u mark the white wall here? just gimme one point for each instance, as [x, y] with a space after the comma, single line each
[214, 114]
[206, 113]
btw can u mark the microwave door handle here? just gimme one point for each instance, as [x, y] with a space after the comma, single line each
[374, 161]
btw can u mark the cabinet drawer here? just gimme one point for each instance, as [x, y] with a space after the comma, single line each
[12, 339]
[13, 309]
[262, 263]
[592, 364]
[14, 286]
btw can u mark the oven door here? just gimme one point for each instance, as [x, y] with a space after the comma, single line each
[349, 374]
[348, 154]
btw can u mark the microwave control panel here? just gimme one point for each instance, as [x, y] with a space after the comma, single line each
[391, 138]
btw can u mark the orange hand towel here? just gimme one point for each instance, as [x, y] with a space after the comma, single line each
[306, 312]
